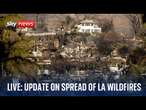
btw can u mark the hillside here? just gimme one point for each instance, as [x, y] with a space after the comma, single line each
[128, 24]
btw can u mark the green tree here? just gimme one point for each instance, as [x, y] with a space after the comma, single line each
[104, 47]
[124, 50]
[137, 58]
[137, 61]
[15, 50]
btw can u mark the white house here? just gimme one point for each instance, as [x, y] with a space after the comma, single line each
[88, 26]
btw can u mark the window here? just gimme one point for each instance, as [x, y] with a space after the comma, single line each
[95, 30]
[88, 30]
[91, 24]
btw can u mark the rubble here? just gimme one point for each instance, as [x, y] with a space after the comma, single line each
[80, 51]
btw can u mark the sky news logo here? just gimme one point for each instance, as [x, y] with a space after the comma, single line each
[21, 24]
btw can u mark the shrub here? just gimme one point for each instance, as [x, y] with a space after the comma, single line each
[104, 47]
[124, 51]
[136, 69]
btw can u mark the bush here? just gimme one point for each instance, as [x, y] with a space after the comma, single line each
[137, 69]
[124, 51]
[136, 60]
[104, 47]
[107, 42]
[142, 32]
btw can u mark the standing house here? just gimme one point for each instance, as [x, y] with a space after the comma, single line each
[88, 26]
